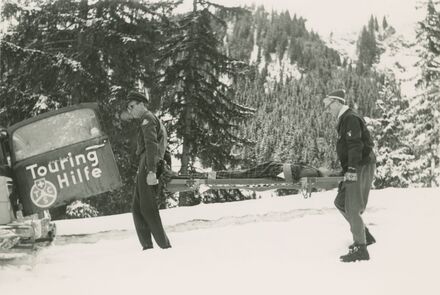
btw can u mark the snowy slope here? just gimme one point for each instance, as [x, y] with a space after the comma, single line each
[344, 43]
[282, 245]
[399, 56]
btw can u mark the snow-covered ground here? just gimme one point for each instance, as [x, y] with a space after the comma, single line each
[281, 245]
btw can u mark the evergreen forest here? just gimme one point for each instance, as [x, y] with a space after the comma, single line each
[237, 86]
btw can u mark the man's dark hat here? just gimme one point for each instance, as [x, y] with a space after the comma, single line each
[153, 103]
[338, 95]
[137, 96]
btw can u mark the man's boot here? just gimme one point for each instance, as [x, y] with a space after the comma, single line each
[357, 252]
[369, 237]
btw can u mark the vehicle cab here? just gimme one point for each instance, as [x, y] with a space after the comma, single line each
[61, 156]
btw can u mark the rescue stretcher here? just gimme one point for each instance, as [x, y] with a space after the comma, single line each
[305, 181]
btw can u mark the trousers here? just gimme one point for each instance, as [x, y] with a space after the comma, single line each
[145, 211]
[352, 199]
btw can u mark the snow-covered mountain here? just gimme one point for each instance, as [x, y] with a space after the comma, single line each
[344, 43]
[399, 54]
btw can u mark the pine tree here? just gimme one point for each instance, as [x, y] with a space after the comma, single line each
[197, 94]
[426, 108]
[371, 24]
[384, 23]
[376, 24]
[367, 47]
[394, 155]
[66, 52]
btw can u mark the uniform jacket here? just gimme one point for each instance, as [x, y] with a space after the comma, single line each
[152, 140]
[354, 146]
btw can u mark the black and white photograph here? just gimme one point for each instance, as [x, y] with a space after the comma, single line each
[219, 147]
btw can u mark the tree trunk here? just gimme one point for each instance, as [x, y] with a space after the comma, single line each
[83, 12]
[188, 198]
[186, 150]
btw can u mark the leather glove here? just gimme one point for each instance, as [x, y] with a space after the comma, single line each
[350, 175]
[151, 178]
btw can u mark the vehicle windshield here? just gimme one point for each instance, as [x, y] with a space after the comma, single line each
[55, 132]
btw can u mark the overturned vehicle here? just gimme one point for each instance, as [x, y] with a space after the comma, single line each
[48, 161]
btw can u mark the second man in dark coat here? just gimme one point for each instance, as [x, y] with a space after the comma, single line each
[355, 152]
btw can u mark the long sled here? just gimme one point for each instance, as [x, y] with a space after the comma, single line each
[266, 176]
[306, 184]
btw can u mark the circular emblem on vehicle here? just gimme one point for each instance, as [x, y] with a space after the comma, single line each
[43, 193]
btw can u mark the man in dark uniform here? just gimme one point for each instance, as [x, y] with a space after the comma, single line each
[151, 148]
[355, 152]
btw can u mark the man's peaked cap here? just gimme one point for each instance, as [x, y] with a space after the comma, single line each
[338, 95]
[137, 96]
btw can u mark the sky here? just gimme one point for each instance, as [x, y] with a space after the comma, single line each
[337, 16]
[273, 245]
[340, 16]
